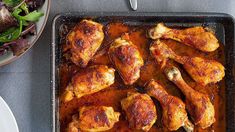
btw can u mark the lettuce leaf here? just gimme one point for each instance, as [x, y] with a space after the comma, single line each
[11, 34]
[31, 16]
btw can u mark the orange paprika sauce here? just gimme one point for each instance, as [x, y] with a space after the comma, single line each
[151, 70]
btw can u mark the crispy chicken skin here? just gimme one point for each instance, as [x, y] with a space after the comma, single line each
[174, 114]
[140, 111]
[196, 37]
[127, 59]
[84, 40]
[198, 104]
[203, 71]
[88, 81]
[94, 119]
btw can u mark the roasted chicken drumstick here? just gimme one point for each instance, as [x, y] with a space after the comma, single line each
[127, 59]
[84, 40]
[93, 119]
[88, 81]
[140, 111]
[198, 104]
[174, 113]
[202, 70]
[196, 37]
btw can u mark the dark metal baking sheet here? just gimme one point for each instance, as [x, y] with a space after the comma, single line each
[223, 24]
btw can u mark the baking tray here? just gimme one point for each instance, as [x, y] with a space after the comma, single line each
[223, 24]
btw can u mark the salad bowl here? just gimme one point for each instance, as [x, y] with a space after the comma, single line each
[39, 16]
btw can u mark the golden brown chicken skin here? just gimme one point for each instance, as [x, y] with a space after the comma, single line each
[196, 37]
[140, 111]
[198, 104]
[84, 40]
[174, 114]
[88, 81]
[127, 59]
[94, 119]
[203, 71]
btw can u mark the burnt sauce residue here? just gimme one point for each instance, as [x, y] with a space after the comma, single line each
[113, 95]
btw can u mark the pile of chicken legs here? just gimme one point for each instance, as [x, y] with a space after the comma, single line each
[85, 39]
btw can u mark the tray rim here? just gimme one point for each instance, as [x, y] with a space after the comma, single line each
[125, 14]
[167, 14]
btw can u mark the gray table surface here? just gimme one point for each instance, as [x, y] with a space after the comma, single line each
[25, 83]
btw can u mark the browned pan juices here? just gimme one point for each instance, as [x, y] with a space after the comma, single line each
[112, 95]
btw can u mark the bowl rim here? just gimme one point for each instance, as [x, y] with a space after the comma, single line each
[14, 58]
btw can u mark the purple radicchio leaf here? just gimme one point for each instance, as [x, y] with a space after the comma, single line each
[34, 4]
[19, 46]
[30, 29]
[1, 4]
[6, 19]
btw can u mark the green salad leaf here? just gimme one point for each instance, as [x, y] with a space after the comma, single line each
[11, 34]
[31, 16]
[16, 13]
[11, 3]
[24, 7]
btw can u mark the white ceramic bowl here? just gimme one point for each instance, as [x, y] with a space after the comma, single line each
[8, 57]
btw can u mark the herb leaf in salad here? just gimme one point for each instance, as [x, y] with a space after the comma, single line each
[17, 21]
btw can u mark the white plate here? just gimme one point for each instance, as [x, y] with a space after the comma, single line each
[7, 119]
